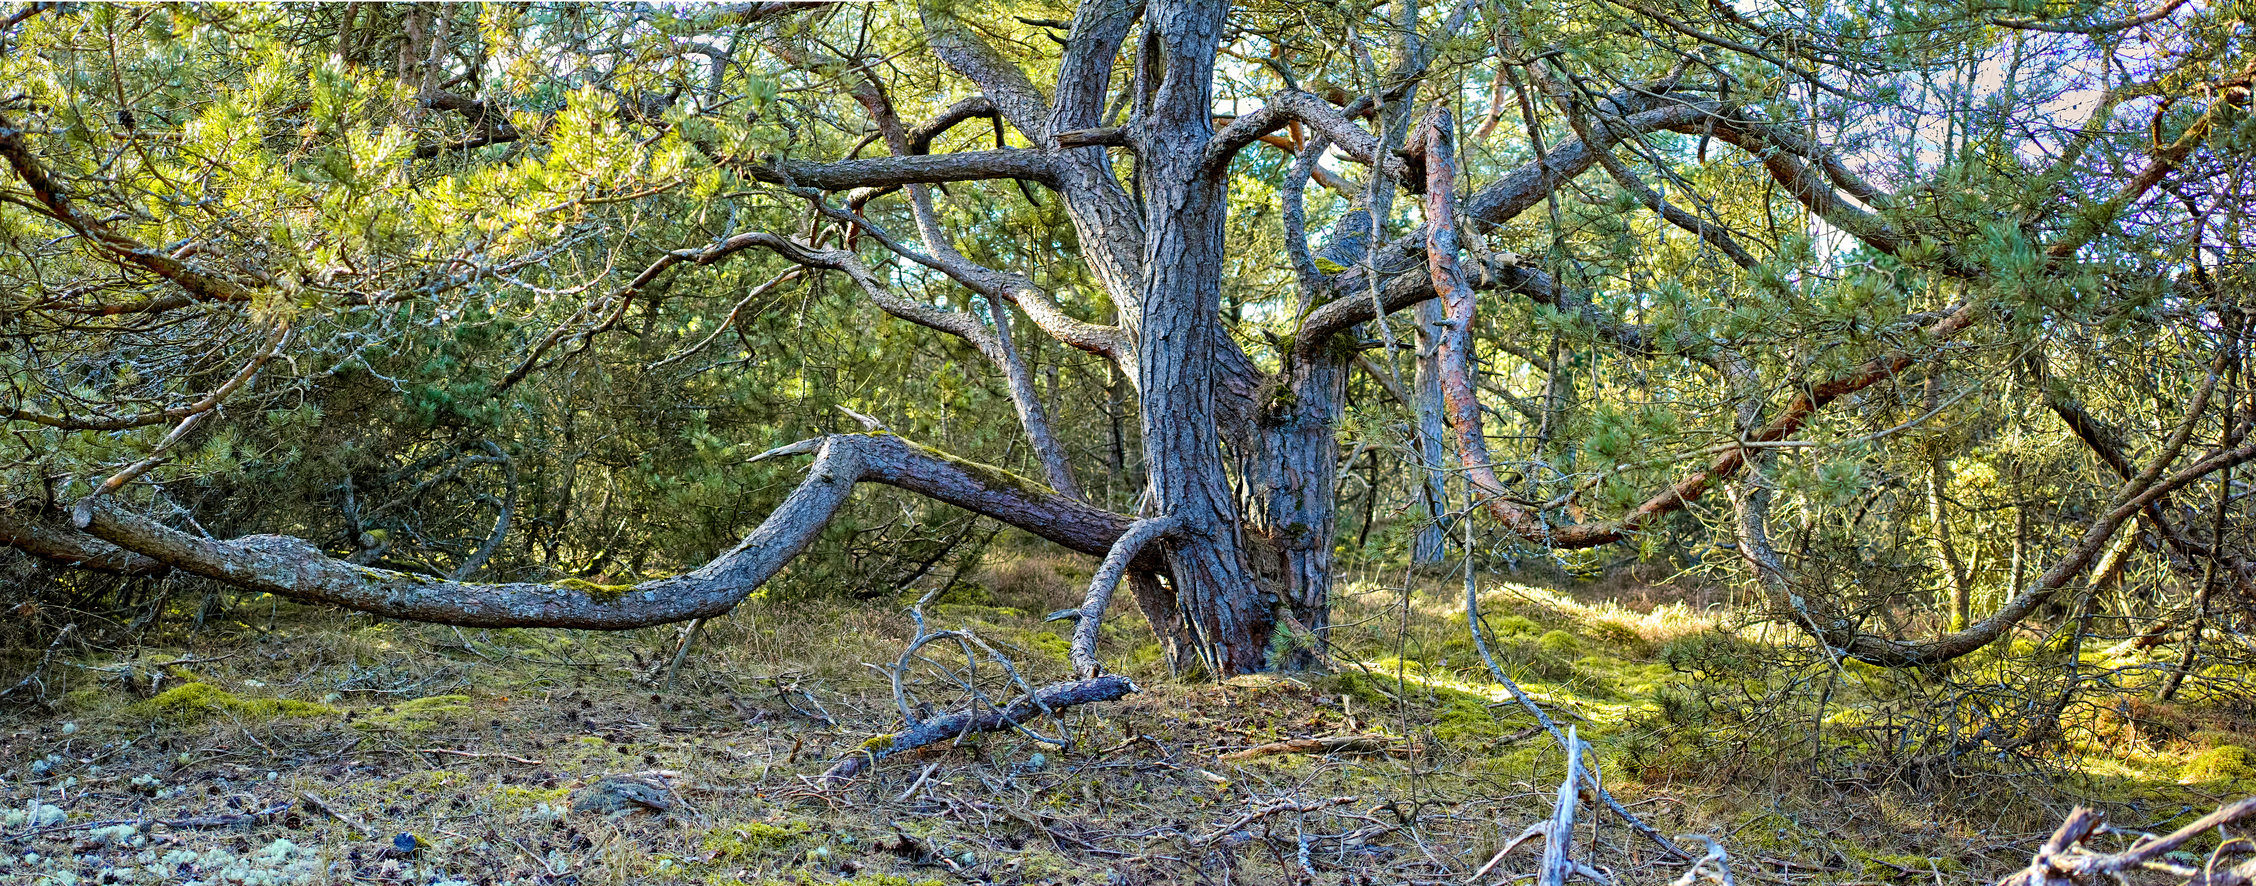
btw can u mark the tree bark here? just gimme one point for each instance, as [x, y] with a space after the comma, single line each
[50, 536]
[1432, 447]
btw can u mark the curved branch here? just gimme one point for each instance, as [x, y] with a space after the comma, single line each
[970, 108]
[999, 286]
[1131, 543]
[294, 569]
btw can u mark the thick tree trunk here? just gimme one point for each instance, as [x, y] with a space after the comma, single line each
[1178, 335]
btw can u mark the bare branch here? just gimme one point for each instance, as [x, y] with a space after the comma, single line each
[291, 568]
[1055, 696]
[1142, 532]
[49, 535]
[911, 169]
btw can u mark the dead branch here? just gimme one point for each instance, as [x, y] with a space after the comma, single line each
[2064, 860]
[1236, 824]
[1055, 696]
[1558, 836]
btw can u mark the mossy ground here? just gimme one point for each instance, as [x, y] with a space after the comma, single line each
[475, 742]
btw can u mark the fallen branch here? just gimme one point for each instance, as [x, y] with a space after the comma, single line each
[961, 723]
[332, 811]
[1264, 812]
[227, 821]
[1333, 744]
[207, 821]
[1558, 836]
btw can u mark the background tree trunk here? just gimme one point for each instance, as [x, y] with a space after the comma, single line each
[1432, 445]
[1293, 477]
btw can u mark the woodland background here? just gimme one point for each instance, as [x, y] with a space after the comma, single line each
[1943, 306]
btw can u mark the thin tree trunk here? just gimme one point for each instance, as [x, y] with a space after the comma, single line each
[1954, 570]
[1432, 542]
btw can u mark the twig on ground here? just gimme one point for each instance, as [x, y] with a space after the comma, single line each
[478, 756]
[918, 784]
[1334, 744]
[1241, 821]
[331, 810]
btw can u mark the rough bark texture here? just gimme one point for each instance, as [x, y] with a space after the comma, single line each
[1178, 335]
[1432, 441]
[1292, 478]
[49, 535]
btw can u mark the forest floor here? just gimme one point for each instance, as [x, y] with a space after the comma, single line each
[287, 745]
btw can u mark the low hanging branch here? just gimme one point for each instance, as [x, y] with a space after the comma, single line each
[291, 568]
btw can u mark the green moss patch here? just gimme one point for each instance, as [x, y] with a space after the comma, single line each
[754, 840]
[2220, 763]
[597, 592]
[197, 702]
